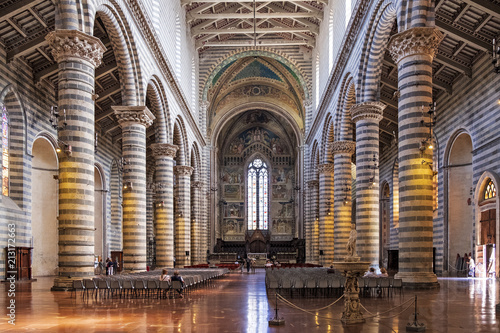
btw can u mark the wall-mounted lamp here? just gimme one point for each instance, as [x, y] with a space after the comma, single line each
[160, 204]
[64, 147]
[128, 186]
[328, 210]
[54, 118]
[496, 56]
[372, 178]
[347, 189]
[427, 143]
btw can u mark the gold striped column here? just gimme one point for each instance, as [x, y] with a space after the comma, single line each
[367, 116]
[183, 216]
[313, 187]
[326, 230]
[77, 54]
[342, 153]
[164, 154]
[413, 50]
[134, 120]
[196, 250]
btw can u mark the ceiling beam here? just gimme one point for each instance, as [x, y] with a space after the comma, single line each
[108, 92]
[17, 7]
[222, 31]
[220, 16]
[103, 70]
[298, 2]
[247, 42]
[467, 71]
[461, 35]
[442, 86]
[109, 112]
[26, 47]
[486, 6]
[389, 102]
[46, 72]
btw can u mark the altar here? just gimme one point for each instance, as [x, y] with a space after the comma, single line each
[260, 258]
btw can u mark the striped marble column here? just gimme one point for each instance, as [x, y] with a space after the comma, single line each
[164, 154]
[196, 251]
[134, 120]
[413, 50]
[342, 153]
[326, 231]
[183, 216]
[367, 116]
[150, 232]
[77, 54]
[313, 187]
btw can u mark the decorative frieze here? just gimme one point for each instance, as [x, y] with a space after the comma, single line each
[75, 44]
[313, 184]
[367, 110]
[325, 168]
[420, 40]
[197, 184]
[183, 170]
[343, 147]
[164, 149]
[133, 114]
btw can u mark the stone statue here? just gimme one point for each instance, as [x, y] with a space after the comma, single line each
[351, 243]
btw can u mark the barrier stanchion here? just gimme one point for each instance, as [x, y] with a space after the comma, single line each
[414, 325]
[276, 321]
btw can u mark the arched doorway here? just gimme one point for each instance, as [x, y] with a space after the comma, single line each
[487, 217]
[44, 208]
[385, 216]
[460, 216]
[101, 246]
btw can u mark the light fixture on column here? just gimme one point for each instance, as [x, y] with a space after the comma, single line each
[160, 204]
[328, 210]
[54, 118]
[121, 165]
[178, 210]
[496, 56]
[372, 178]
[347, 189]
[427, 143]
[64, 147]
[128, 186]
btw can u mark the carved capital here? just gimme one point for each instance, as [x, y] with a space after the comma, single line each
[133, 114]
[67, 44]
[313, 184]
[325, 168]
[343, 147]
[421, 40]
[307, 102]
[367, 110]
[204, 105]
[183, 170]
[197, 184]
[164, 149]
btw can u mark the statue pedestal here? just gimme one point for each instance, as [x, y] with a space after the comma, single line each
[352, 268]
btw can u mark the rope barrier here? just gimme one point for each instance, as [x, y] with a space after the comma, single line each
[372, 315]
[458, 270]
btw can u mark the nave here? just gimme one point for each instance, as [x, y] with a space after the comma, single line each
[239, 303]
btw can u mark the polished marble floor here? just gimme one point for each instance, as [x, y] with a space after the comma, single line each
[239, 303]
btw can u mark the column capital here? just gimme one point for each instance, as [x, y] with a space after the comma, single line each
[368, 110]
[133, 114]
[307, 102]
[325, 168]
[420, 40]
[164, 149]
[204, 104]
[67, 44]
[197, 184]
[343, 147]
[313, 183]
[183, 170]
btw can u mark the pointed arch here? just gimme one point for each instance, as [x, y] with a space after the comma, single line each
[124, 48]
[344, 128]
[375, 44]
[155, 94]
[180, 139]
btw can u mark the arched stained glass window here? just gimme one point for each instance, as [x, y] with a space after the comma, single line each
[490, 191]
[258, 195]
[5, 151]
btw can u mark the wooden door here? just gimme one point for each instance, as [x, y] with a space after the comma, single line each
[488, 225]
[119, 258]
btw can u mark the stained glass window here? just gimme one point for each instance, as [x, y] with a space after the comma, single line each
[490, 191]
[5, 151]
[258, 198]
